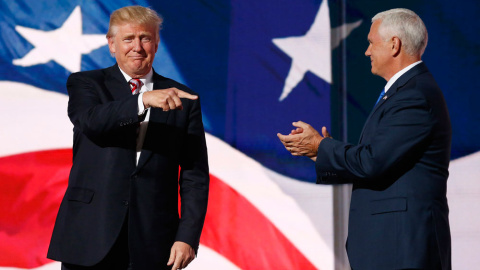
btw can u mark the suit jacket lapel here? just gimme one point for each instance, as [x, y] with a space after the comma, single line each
[157, 115]
[399, 83]
[116, 84]
[389, 94]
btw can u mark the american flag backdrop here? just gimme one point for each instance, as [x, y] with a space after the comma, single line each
[258, 65]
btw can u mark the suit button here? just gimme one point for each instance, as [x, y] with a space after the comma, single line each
[125, 202]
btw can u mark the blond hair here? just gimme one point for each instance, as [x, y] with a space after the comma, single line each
[137, 15]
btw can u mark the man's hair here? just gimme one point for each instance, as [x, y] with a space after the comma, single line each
[407, 26]
[136, 15]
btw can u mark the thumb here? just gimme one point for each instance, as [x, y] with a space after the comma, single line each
[325, 133]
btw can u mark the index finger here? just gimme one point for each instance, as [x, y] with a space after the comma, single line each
[183, 94]
[281, 136]
[300, 124]
[285, 138]
[177, 264]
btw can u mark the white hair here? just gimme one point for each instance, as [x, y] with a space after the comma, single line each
[407, 26]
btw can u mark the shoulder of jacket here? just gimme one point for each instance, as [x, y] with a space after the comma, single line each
[157, 78]
[94, 74]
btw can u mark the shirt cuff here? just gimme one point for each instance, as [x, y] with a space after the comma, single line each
[141, 107]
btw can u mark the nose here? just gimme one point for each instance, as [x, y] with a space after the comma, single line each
[367, 52]
[137, 45]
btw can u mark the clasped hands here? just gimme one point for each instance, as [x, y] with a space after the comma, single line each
[167, 99]
[304, 140]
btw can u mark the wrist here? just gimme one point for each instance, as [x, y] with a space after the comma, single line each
[145, 96]
[317, 141]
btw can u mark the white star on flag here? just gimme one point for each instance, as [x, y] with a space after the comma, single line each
[311, 52]
[64, 45]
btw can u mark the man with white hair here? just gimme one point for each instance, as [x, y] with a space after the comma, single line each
[399, 169]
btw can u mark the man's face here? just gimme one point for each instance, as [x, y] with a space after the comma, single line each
[379, 52]
[134, 47]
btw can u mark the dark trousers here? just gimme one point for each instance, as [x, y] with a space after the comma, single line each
[116, 259]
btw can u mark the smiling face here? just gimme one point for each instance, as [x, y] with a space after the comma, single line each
[134, 47]
[380, 52]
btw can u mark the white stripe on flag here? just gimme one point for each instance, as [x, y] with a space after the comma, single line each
[49, 266]
[32, 119]
[464, 203]
[37, 120]
[250, 179]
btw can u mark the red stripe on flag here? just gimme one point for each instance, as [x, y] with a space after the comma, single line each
[32, 187]
[240, 232]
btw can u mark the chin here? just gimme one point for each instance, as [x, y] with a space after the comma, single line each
[374, 70]
[140, 70]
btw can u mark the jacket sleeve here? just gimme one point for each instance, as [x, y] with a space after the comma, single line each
[398, 139]
[194, 180]
[93, 110]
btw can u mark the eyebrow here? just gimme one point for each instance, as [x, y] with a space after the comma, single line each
[142, 34]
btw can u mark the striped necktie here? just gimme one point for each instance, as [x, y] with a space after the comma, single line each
[136, 85]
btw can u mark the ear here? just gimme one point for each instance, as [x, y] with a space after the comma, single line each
[396, 45]
[111, 45]
[157, 43]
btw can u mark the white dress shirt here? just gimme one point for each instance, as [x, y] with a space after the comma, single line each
[147, 86]
[398, 74]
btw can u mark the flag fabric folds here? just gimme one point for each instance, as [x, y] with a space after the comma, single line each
[258, 66]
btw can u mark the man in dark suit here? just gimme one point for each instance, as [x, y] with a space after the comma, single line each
[399, 168]
[133, 129]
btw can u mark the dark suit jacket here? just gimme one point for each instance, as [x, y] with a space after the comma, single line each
[399, 170]
[106, 187]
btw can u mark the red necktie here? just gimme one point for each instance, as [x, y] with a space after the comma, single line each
[136, 85]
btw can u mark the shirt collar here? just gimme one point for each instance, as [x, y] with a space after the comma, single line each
[398, 74]
[145, 79]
